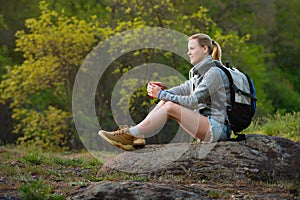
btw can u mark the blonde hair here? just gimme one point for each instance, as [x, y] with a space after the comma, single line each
[214, 49]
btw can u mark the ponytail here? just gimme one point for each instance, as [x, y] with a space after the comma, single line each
[217, 51]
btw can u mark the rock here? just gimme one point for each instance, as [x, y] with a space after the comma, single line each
[138, 190]
[259, 159]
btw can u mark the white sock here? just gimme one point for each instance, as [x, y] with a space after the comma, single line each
[134, 132]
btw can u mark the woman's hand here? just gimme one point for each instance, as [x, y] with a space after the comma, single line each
[153, 89]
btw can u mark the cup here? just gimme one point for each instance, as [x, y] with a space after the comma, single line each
[159, 84]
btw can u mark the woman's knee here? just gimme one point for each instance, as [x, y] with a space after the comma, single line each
[171, 107]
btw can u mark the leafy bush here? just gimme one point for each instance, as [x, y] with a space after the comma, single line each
[48, 129]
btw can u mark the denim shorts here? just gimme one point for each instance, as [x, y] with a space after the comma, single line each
[218, 130]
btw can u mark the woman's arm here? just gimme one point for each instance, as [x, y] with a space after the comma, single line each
[210, 83]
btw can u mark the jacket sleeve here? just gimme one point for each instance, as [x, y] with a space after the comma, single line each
[209, 85]
[183, 89]
[191, 101]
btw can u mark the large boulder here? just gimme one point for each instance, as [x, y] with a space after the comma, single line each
[193, 171]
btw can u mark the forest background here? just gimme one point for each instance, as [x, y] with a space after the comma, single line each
[43, 43]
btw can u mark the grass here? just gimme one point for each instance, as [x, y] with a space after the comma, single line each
[283, 125]
[38, 189]
[45, 175]
[34, 174]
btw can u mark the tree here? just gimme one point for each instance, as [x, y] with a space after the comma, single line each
[39, 90]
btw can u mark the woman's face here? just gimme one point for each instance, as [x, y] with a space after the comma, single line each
[196, 52]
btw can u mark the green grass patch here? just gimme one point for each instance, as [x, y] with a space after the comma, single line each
[38, 174]
[284, 125]
[38, 189]
[35, 158]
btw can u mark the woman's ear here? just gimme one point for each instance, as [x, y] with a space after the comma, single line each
[205, 47]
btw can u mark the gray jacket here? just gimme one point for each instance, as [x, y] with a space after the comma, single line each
[207, 91]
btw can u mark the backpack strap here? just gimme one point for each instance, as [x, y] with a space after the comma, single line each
[232, 95]
[240, 137]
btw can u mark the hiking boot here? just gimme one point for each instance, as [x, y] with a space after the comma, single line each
[139, 143]
[122, 139]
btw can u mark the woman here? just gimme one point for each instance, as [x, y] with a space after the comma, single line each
[198, 105]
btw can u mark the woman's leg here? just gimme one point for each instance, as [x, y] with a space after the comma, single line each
[130, 138]
[193, 123]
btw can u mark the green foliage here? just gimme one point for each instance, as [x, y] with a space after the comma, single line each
[283, 92]
[286, 45]
[39, 90]
[4, 59]
[83, 9]
[53, 49]
[15, 12]
[285, 125]
[2, 23]
[48, 129]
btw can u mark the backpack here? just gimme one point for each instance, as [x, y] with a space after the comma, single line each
[243, 99]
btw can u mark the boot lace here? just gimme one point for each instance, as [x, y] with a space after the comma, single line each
[121, 131]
